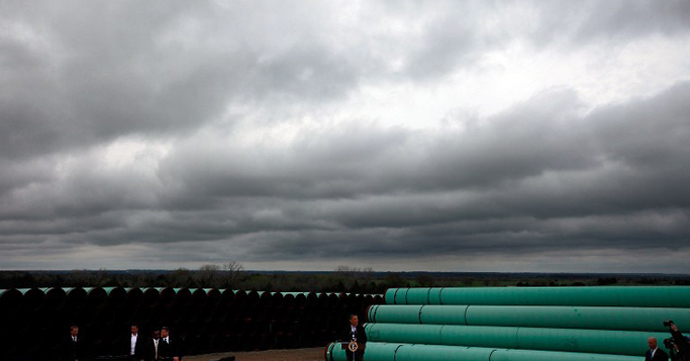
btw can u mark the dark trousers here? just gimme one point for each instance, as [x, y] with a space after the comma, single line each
[358, 356]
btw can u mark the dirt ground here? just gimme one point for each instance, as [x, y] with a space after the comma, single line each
[302, 354]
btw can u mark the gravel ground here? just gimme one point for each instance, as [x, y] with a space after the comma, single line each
[302, 354]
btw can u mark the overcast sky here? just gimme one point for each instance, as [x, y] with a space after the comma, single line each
[303, 135]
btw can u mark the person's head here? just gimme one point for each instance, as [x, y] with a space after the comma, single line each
[651, 342]
[354, 320]
[134, 329]
[155, 334]
[74, 330]
[164, 332]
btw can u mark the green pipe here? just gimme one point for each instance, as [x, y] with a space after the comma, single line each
[374, 352]
[547, 339]
[442, 353]
[405, 314]
[528, 355]
[108, 290]
[632, 296]
[330, 354]
[477, 336]
[295, 294]
[24, 291]
[381, 352]
[377, 351]
[601, 318]
[10, 300]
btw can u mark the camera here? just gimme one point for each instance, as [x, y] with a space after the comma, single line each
[668, 343]
[668, 323]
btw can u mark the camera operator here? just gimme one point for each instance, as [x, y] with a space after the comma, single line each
[679, 343]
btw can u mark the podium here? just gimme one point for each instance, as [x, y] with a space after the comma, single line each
[360, 346]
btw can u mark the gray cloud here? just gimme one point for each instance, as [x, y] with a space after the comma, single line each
[89, 74]
[537, 175]
[623, 19]
[245, 154]
[81, 73]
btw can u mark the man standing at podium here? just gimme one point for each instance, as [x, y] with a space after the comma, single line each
[355, 336]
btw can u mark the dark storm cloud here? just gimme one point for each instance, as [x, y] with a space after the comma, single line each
[518, 148]
[537, 177]
[549, 168]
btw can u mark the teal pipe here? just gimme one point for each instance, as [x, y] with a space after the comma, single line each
[477, 336]
[10, 300]
[295, 294]
[600, 318]
[528, 355]
[632, 296]
[374, 352]
[377, 351]
[546, 339]
[330, 354]
[442, 353]
[409, 314]
[108, 290]
[380, 352]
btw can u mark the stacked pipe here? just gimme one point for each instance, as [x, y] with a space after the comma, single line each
[36, 321]
[515, 324]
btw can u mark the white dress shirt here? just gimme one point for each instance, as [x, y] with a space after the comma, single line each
[133, 344]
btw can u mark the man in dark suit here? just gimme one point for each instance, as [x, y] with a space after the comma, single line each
[170, 348]
[152, 348]
[355, 332]
[655, 353]
[74, 348]
[135, 345]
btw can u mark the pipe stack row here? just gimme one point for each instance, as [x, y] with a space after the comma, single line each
[36, 321]
[516, 324]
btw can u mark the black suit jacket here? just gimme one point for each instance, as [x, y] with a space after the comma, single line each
[150, 350]
[168, 350]
[360, 334]
[659, 355]
[74, 350]
[139, 348]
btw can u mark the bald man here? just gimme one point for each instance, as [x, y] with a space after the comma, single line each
[655, 353]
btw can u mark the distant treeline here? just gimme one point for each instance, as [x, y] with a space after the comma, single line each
[343, 279]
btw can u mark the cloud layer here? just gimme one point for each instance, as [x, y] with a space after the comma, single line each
[426, 135]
